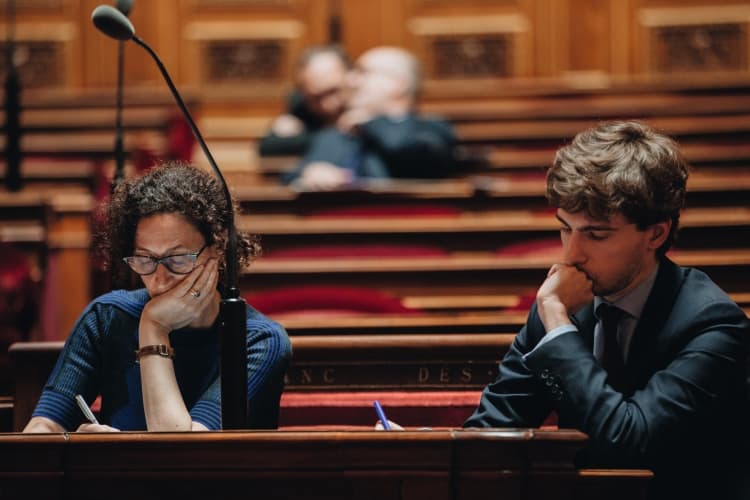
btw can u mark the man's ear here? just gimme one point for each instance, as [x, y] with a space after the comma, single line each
[659, 233]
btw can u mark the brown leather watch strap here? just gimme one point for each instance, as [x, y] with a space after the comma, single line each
[162, 350]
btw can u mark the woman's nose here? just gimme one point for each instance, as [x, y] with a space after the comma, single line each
[162, 278]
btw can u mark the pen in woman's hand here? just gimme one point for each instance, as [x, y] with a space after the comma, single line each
[86, 410]
[381, 415]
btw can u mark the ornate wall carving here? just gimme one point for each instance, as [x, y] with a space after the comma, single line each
[39, 63]
[695, 38]
[488, 56]
[235, 61]
[706, 47]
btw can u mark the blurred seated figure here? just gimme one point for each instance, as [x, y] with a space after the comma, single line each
[316, 102]
[19, 306]
[380, 134]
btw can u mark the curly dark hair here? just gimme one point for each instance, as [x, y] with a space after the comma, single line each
[171, 187]
[625, 167]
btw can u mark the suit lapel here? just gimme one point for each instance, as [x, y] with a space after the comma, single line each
[644, 346]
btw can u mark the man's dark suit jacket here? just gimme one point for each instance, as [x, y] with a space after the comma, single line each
[295, 145]
[410, 147]
[686, 412]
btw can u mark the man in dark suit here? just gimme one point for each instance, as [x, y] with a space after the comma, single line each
[658, 380]
[316, 102]
[379, 135]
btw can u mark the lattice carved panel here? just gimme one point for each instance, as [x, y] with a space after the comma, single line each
[39, 63]
[234, 4]
[472, 56]
[699, 48]
[237, 61]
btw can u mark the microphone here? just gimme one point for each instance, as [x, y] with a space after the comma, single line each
[124, 6]
[232, 335]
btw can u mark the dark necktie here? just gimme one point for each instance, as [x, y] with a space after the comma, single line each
[612, 359]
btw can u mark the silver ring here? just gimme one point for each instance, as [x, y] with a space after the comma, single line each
[195, 293]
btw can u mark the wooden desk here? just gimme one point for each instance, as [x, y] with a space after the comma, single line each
[441, 464]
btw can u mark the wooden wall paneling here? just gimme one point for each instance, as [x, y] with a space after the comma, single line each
[469, 49]
[697, 37]
[366, 24]
[551, 39]
[589, 25]
[46, 42]
[155, 23]
[248, 48]
[240, 58]
[67, 278]
[621, 37]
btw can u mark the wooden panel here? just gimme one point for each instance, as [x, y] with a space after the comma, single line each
[248, 46]
[693, 38]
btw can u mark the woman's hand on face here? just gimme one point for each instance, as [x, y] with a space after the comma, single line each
[187, 300]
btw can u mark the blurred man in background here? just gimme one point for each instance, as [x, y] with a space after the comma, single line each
[316, 102]
[379, 134]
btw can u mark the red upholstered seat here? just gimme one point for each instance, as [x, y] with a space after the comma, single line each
[349, 410]
[180, 145]
[327, 300]
[332, 251]
[355, 409]
[19, 305]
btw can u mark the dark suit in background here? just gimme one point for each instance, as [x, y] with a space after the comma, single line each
[294, 145]
[685, 415]
[409, 147]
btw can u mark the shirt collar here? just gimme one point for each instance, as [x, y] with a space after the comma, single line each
[634, 302]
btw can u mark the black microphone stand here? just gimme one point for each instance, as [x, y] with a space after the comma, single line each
[232, 331]
[119, 147]
[124, 7]
[12, 110]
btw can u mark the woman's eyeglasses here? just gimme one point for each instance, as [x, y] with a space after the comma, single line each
[181, 263]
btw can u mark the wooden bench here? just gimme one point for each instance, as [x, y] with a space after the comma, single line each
[53, 227]
[460, 272]
[521, 131]
[468, 230]
[80, 125]
[706, 187]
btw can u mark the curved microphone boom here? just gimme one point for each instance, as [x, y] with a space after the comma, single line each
[124, 6]
[232, 336]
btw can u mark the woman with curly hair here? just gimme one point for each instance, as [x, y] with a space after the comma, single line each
[152, 354]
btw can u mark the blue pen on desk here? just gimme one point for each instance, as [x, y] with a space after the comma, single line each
[85, 409]
[381, 415]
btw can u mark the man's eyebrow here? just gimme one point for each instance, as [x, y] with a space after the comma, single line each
[561, 220]
[590, 227]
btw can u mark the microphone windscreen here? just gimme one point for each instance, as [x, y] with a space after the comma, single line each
[125, 6]
[112, 23]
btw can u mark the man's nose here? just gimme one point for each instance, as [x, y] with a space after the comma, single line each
[573, 249]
